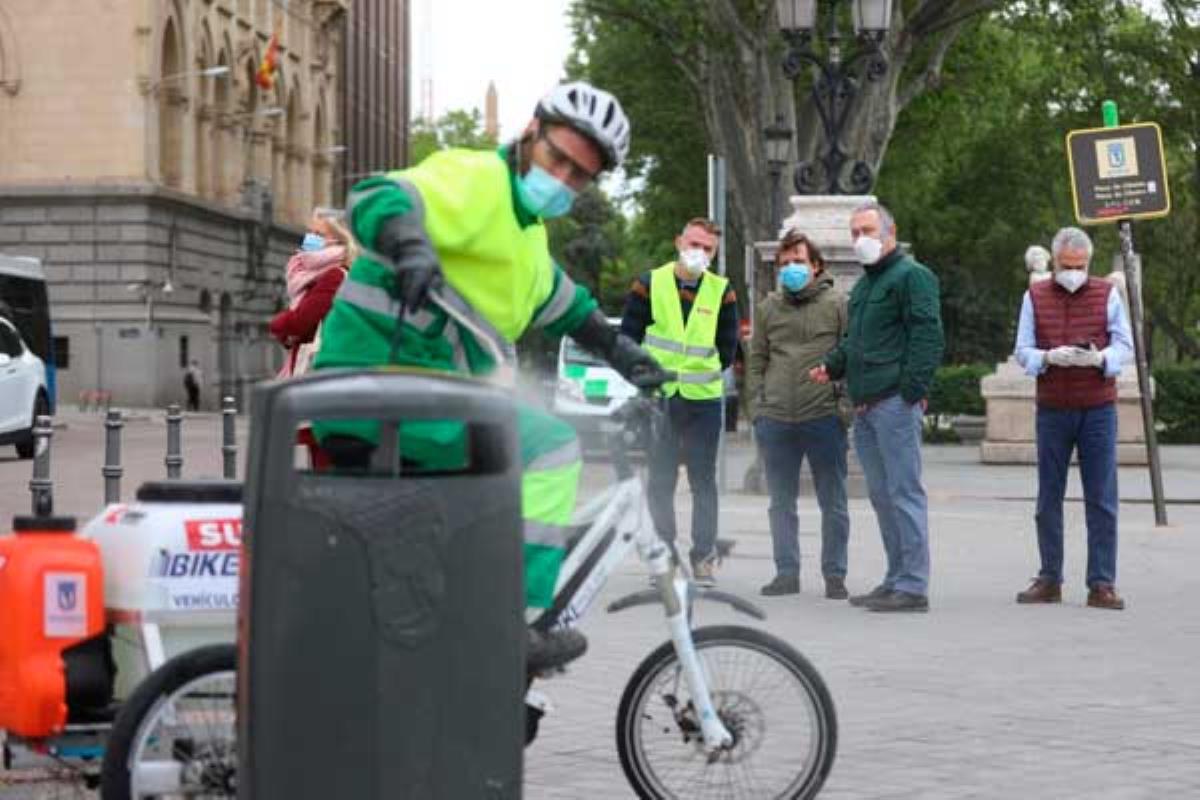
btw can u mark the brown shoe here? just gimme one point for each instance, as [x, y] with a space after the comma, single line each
[1103, 595]
[1042, 590]
[835, 588]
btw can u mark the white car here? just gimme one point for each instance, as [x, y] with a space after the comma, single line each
[588, 392]
[23, 393]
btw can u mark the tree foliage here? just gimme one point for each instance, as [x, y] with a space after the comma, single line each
[978, 169]
[455, 128]
[967, 131]
[720, 63]
[589, 243]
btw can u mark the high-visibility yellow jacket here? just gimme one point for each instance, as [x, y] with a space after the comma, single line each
[689, 349]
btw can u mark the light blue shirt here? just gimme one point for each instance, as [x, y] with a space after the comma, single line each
[1120, 339]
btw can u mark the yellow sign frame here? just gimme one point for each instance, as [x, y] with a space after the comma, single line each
[1115, 131]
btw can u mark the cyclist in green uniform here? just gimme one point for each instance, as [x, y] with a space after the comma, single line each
[468, 225]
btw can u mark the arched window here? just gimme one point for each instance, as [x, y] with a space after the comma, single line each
[250, 122]
[225, 144]
[205, 118]
[295, 194]
[10, 63]
[172, 103]
[320, 159]
[279, 144]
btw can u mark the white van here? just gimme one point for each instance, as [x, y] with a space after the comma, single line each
[588, 392]
[23, 393]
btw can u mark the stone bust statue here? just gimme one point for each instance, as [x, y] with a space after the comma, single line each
[1037, 263]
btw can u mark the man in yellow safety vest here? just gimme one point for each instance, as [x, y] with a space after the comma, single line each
[686, 317]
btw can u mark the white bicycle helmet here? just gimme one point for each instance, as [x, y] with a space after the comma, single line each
[593, 112]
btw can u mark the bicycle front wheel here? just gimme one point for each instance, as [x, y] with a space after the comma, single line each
[767, 695]
[176, 736]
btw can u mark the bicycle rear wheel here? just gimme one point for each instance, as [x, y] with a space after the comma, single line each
[769, 697]
[176, 736]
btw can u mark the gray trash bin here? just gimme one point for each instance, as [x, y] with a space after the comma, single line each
[381, 622]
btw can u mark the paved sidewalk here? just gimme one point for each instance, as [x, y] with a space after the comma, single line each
[978, 699]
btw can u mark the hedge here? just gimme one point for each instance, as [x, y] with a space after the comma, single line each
[955, 390]
[1177, 403]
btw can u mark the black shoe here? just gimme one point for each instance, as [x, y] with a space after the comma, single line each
[835, 588]
[900, 601]
[546, 650]
[860, 600]
[782, 584]
[724, 547]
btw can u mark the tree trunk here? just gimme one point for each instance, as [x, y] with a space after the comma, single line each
[731, 53]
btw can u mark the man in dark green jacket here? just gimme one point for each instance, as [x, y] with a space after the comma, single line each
[796, 419]
[888, 357]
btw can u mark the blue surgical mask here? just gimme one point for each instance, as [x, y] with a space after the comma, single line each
[312, 241]
[795, 275]
[544, 195]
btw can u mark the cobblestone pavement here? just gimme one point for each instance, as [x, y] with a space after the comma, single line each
[980, 698]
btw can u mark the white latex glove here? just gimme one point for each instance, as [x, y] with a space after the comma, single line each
[1061, 356]
[1086, 357]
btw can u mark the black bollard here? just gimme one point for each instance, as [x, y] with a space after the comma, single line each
[229, 437]
[112, 456]
[174, 459]
[40, 485]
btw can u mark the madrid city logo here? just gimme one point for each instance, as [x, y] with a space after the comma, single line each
[68, 596]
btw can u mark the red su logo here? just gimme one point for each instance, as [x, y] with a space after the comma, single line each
[213, 534]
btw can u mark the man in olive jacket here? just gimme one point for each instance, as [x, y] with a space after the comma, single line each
[888, 357]
[796, 418]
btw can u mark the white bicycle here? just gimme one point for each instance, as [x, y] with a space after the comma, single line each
[722, 711]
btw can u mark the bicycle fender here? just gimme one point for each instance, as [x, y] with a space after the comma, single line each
[652, 597]
[644, 597]
[738, 603]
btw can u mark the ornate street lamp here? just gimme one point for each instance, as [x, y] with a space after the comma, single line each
[778, 138]
[836, 85]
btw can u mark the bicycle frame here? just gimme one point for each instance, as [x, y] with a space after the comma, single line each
[618, 521]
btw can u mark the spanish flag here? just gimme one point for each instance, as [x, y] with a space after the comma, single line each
[265, 77]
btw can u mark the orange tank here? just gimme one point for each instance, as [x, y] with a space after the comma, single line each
[51, 597]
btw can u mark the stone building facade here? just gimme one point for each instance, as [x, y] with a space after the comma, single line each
[161, 187]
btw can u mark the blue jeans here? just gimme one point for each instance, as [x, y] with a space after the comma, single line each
[690, 435]
[784, 446]
[887, 437]
[1094, 432]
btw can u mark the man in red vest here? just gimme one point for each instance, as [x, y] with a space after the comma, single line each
[1074, 336]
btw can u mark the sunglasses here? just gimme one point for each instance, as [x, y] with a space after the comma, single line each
[559, 160]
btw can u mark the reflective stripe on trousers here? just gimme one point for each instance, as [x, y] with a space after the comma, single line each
[551, 466]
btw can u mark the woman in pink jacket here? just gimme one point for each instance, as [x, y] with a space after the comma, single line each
[314, 274]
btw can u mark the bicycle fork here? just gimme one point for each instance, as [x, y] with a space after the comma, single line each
[674, 597]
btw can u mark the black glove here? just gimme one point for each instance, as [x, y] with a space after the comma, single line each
[403, 241]
[626, 356]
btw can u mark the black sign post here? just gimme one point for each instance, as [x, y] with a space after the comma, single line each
[1118, 175]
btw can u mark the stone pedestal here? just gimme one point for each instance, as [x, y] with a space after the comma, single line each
[1011, 413]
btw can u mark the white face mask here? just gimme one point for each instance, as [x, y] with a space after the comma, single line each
[694, 260]
[1071, 279]
[867, 249]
